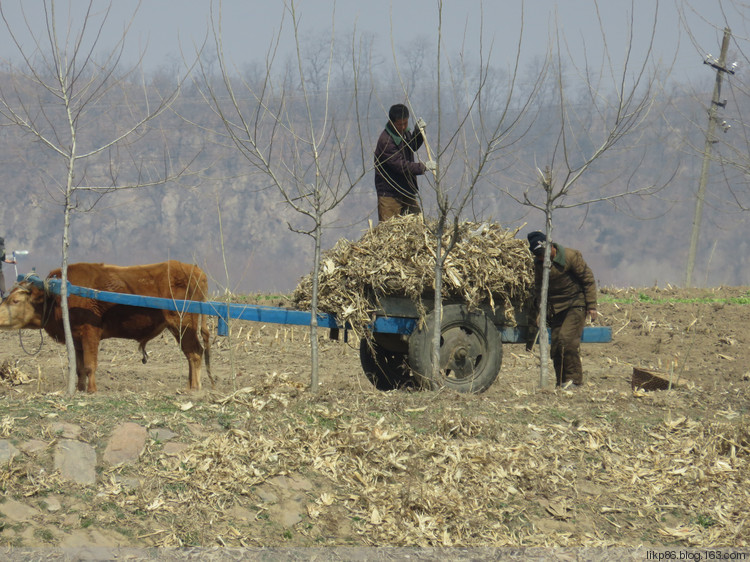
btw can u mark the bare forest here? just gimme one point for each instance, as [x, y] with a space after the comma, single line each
[225, 211]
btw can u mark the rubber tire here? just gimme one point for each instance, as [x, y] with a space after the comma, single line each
[385, 369]
[472, 335]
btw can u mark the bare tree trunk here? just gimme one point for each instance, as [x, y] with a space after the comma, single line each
[69, 345]
[318, 235]
[438, 301]
[69, 190]
[544, 344]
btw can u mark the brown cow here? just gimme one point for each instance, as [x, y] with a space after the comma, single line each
[28, 306]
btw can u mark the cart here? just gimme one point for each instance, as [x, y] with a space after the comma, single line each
[399, 353]
[471, 344]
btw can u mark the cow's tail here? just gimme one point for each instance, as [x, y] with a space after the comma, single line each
[206, 336]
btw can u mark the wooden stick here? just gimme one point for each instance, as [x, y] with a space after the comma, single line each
[427, 146]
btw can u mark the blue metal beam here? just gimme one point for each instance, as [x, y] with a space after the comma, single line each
[275, 315]
[253, 313]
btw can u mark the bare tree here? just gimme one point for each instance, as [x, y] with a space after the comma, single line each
[296, 134]
[585, 135]
[77, 103]
[489, 119]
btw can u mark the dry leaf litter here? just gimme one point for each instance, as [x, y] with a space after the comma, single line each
[458, 484]
[397, 258]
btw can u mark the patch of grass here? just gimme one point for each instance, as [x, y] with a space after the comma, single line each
[326, 423]
[705, 521]
[190, 539]
[113, 507]
[260, 299]
[560, 415]
[644, 298]
[126, 532]
[87, 522]
[176, 487]
[224, 420]
[44, 535]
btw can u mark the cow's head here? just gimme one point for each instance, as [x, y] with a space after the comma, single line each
[23, 308]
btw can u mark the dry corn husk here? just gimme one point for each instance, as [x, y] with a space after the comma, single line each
[10, 373]
[397, 258]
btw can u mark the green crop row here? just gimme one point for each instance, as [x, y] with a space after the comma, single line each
[642, 297]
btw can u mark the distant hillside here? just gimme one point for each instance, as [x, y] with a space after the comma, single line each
[633, 242]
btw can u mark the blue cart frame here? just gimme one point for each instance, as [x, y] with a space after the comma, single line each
[386, 322]
[399, 351]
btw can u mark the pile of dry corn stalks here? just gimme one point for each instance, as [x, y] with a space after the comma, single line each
[397, 258]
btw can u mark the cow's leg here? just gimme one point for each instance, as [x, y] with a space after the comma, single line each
[81, 386]
[206, 336]
[187, 336]
[90, 348]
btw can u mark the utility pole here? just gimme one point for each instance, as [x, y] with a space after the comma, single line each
[720, 67]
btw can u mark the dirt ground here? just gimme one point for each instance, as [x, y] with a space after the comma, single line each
[265, 462]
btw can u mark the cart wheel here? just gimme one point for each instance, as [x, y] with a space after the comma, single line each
[471, 351]
[385, 369]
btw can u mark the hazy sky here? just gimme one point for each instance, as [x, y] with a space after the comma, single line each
[164, 27]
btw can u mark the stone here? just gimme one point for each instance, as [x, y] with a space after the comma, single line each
[33, 446]
[7, 451]
[161, 434]
[66, 430]
[241, 513]
[126, 444]
[52, 504]
[17, 511]
[76, 461]
[128, 483]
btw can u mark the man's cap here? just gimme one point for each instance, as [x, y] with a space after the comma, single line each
[398, 112]
[537, 242]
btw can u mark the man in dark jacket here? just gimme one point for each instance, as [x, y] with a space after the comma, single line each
[395, 169]
[571, 297]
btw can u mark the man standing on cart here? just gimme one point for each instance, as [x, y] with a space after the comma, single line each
[395, 169]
